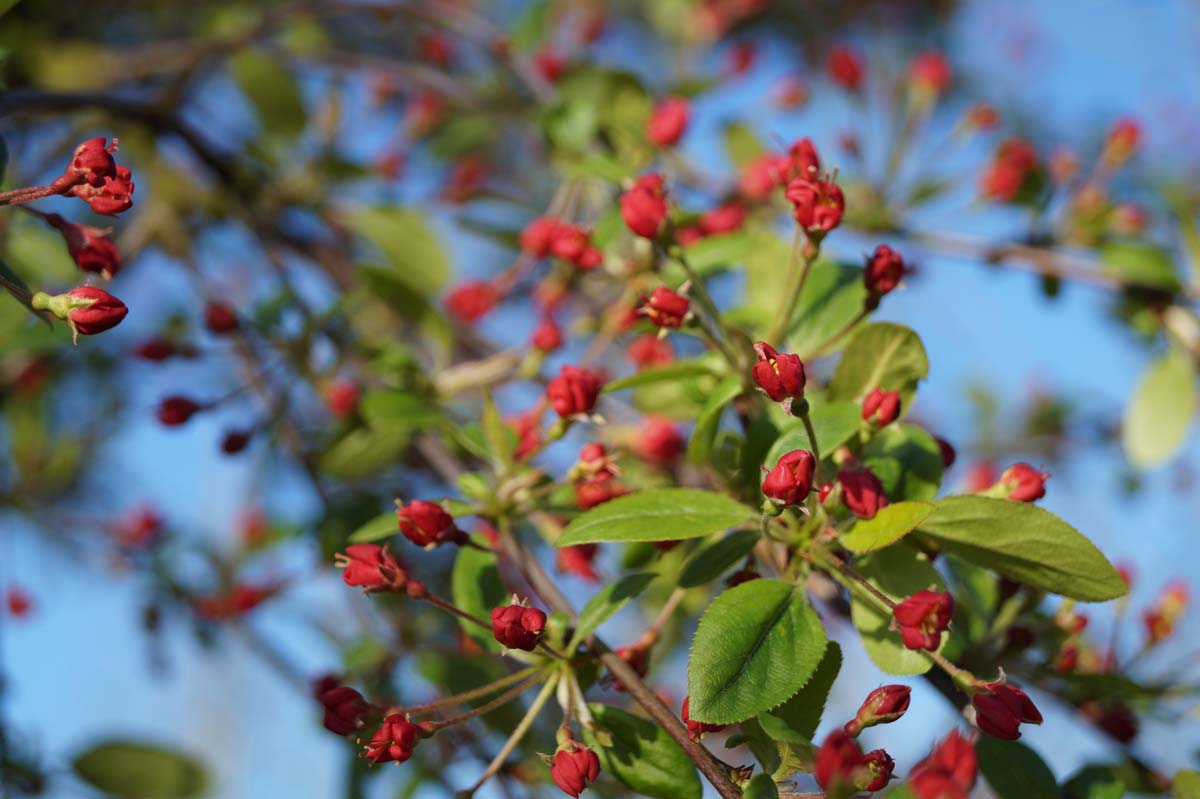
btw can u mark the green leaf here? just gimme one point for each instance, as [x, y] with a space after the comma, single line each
[272, 89]
[659, 514]
[1097, 782]
[796, 720]
[694, 367]
[898, 571]
[403, 237]
[714, 253]
[705, 431]
[761, 786]
[606, 602]
[709, 562]
[133, 770]
[1158, 416]
[756, 646]
[1014, 770]
[1140, 264]
[500, 438]
[398, 410]
[833, 422]
[476, 587]
[1026, 543]
[1186, 785]
[364, 452]
[907, 460]
[742, 144]
[383, 526]
[643, 756]
[888, 526]
[833, 296]
[881, 355]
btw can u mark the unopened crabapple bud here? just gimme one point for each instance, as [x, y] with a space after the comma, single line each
[427, 524]
[789, 482]
[1001, 708]
[574, 392]
[574, 768]
[817, 205]
[882, 706]
[664, 308]
[845, 68]
[644, 206]
[697, 729]
[881, 407]
[923, 617]
[87, 309]
[668, 121]
[517, 626]
[862, 492]
[780, 375]
[176, 410]
[219, 318]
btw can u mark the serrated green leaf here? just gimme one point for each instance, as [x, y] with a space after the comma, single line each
[643, 756]
[383, 526]
[1026, 543]
[660, 514]
[898, 571]
[709, 562]
[882, 355]
[907, 460]
[755, 647]
[133, 770]
[796, 720]
[1014, 770]
[476, 588]
[1161, 411]
[888, 526]
[705, 432]
[606, 602]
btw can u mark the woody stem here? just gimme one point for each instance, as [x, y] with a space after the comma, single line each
[825, 558]
[25, 195]
[457, 611]
[836, 337]
[522, 727]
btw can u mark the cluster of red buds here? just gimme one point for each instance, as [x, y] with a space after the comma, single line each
[547, 236]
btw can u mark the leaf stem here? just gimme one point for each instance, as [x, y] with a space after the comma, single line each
[518, 733]
[488, 707]
[474, 693]
[799, 263]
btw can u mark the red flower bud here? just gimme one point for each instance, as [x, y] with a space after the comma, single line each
[394, 741]
[578, 560]
[341, 398]
[791, 479]
[845, 68]
[219, 318]
[648, 350]
[155, 349]
[90, 247]
[344, 709]
[114, 196]
[923, 617]
[427, 524]
[518, 627]
[659, 442]
[644, 207]
[575, 767]
[574, 391]
[1001, 708]
[1024, 483]
[471, 300]
[94, 310]
[790, 92]
[174, 411]
[435, 48]
[725, 218]
[467, 176]
[947, 452]
[948, 772]
[930, 72]
[668, 121]
[696, 729]
[801, 161]
[759, 177]
[875, 771]
[598, 490]
[138, 529]
[824, 491]
[1014, 162]
[91, 163]
[883, 272]
[638, 658]
[1122, 142]
[818, 205]
[549, 65]
[882, 706]
[18, 602]
[862, 492]
[839, 761]
[235, 441]
[781, 376]
[547, 336]
[371, 567]
[881, 407]
[538, 236]
[665, 308]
